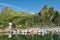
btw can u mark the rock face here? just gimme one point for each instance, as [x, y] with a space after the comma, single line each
[44, 10]
[6, 10]
[50, 14]
[57, 20]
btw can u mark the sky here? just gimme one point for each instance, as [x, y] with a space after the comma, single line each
[31, 6]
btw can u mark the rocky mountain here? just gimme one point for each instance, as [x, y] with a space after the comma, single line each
[47, 17]
[5, 10]
[49, 13]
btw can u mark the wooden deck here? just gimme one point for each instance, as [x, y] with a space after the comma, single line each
[4, 31]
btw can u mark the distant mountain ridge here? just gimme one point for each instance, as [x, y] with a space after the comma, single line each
[48, 16]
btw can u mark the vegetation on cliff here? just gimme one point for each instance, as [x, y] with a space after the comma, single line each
[47, 17]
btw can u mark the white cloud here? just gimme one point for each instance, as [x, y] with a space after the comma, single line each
[32, 13]
[4, 4]
[9, 5]
[16, 7]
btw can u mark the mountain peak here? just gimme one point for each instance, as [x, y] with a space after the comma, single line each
[44, 10]
[4, 10]
[48, 13]
[46, 6]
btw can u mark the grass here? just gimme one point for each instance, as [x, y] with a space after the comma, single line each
[31, 37]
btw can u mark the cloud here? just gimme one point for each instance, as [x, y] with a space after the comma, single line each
[4, 4]
[16, 7]
[32, 13]
[9, 5]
